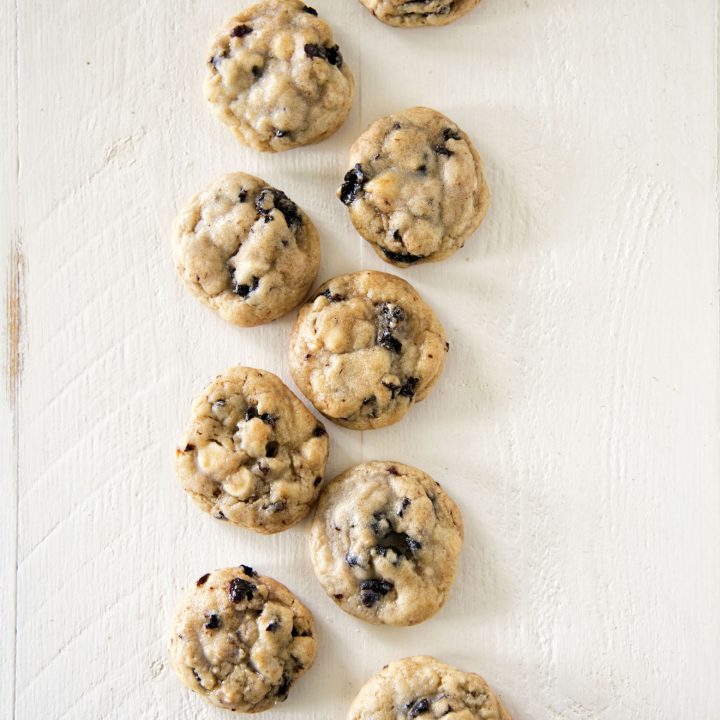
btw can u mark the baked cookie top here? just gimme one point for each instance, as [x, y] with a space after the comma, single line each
[385, 542]
[246, 250]
[415, 13]
[423, 687]
[241, 640]
[416, 189]
[277, 77]
[366, 348]
[253, 454]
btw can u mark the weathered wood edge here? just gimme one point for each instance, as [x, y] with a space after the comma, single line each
[11, 294]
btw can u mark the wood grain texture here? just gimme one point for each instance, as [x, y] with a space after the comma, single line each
[577, 420]
[10, 354]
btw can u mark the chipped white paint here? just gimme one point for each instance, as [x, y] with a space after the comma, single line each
[577, 421]
[10, 317]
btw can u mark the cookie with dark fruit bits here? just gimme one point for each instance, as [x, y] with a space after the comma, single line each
[423, 687]
[277, 77]
[415, 189]
[241, 640]
[246, 250]
[253, 454]
[418, 13]
[385, 541]
[366, 348]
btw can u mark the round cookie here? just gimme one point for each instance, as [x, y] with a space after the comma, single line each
[385, 542]
[366, 348]
[416, 189]
[423, 687]
[277, 78]
[241, 640]
[246, 250]
[416, 13]
[253, 454]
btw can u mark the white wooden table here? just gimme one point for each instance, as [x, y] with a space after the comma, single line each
[576, 423]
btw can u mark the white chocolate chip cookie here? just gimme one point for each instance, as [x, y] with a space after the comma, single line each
[366, 348]
[416, 189]
[425, 688]
[253, 454]
[385, 542]
[246, 250]
[277, 78]
[241, 640]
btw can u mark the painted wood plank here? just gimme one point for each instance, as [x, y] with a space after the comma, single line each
[10, 355]
[576, 423]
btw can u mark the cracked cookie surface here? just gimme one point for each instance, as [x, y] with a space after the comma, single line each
[385, 541]
[244, 249]
[241, 640]
[277, 78]
[366, 348]
[253, 453]
[423, 687]
[416, 189]
[415, 13]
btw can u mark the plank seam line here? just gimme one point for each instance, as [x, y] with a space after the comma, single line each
[717, 170]
[16, 400]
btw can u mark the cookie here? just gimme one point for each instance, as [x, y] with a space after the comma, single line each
[416, 189]
[366, 348]
[277, 78]
[253, 454]
[423, 687]
[385, 542]
[246, 250]
[415, 13]
[241, 640]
